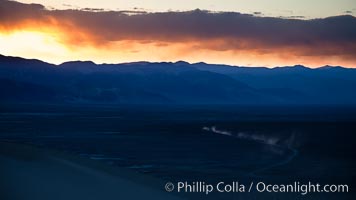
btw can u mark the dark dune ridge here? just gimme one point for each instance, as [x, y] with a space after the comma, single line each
[32, 173]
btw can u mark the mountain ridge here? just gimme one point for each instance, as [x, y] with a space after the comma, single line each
[173, 83]
[176, 62]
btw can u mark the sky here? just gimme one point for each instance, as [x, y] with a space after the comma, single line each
[306, 8]
[236, 32]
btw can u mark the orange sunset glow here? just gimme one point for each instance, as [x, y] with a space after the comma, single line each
[57, 36]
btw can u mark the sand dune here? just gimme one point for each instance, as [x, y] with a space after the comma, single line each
[30, 173]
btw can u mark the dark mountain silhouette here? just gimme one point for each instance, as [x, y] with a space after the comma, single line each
[324, 85]
[23, 81]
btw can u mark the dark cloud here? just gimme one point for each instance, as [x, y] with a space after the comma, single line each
[257, 13]
[294, 17]
[93, 9]
[336, 35]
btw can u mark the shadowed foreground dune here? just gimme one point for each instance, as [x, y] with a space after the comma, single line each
[31, 173]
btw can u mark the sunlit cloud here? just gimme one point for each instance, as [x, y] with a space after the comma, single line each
[30, 30]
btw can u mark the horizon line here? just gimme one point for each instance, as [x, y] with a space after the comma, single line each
[177, 62]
